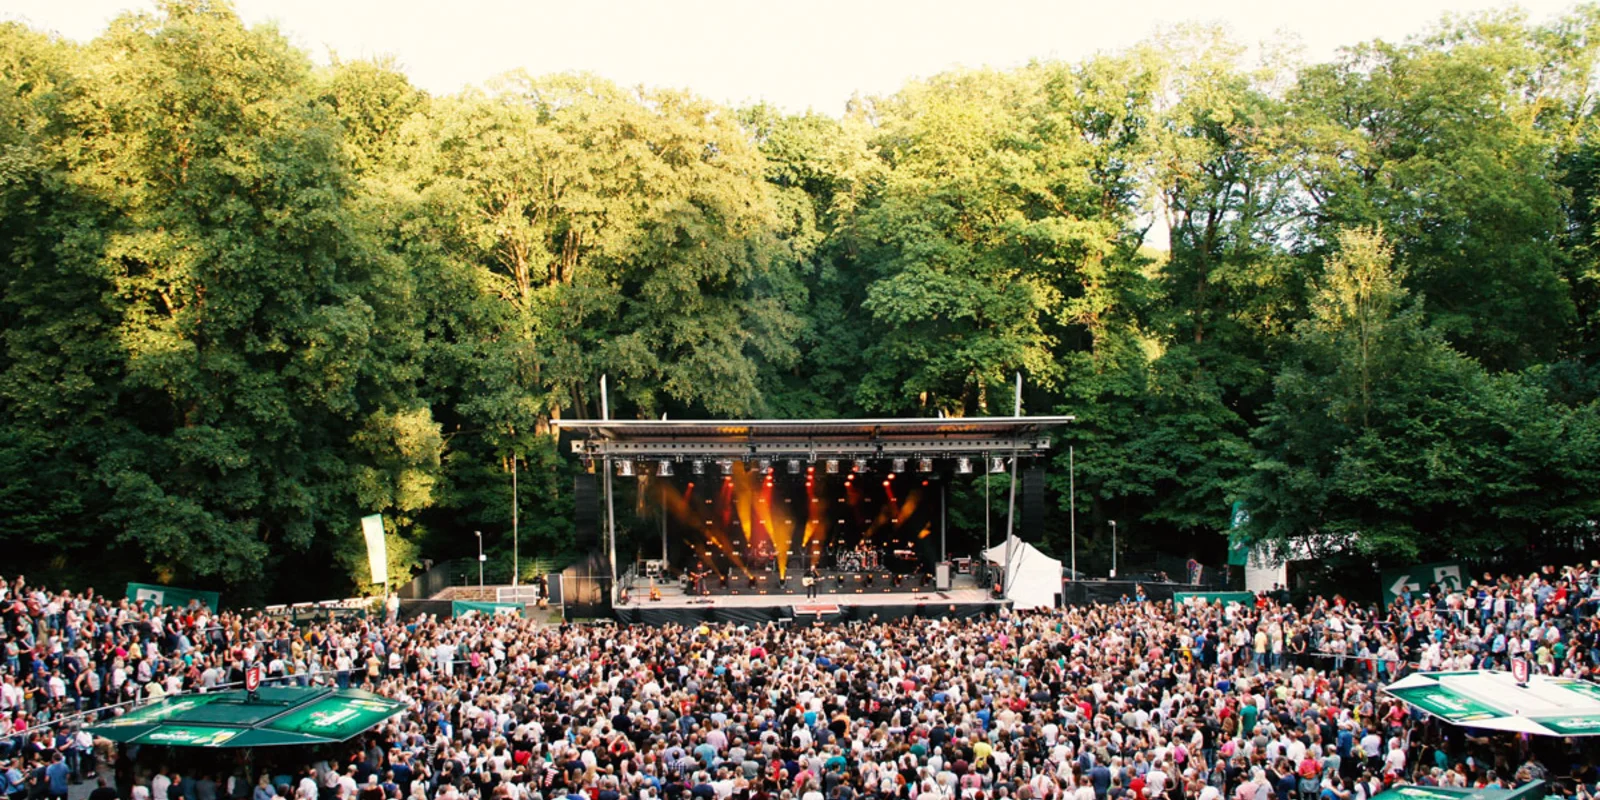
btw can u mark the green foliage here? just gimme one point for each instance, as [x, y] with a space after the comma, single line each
[245, 302]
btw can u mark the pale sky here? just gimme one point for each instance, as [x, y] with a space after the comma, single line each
[796, 55]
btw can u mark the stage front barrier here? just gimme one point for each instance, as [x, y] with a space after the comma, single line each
[1082, 593]
[807, 613]
[1226, 598]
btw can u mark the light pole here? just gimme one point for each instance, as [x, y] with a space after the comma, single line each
[480, 558]
[1113, 548]
[1072, 493]
[516, 562]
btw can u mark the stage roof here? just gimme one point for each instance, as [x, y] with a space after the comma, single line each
[812, 437]
[281, 715]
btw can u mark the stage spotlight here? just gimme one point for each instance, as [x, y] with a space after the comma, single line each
[899, 465]
[963, 466]
[997, 465]
[625, 469]
[664, 469]
[832, 466]
[794, 466]
[726, 465]
[859, 465]
[924, 465]
[764, 464]
[698, 467]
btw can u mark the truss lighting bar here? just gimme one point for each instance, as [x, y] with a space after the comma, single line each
[828, 451]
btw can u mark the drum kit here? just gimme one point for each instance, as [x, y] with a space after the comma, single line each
[864, 558]
[762, 556]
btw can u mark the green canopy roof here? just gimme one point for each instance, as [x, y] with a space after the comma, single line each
[280, 715]
[1530, 791]
[1491, 700]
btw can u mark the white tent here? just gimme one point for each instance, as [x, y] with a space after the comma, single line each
[1035, 577]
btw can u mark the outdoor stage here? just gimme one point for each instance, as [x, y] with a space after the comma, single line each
[724, 520]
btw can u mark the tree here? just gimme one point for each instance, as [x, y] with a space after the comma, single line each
[234, 300]
[1382, 439]
[1440, 141]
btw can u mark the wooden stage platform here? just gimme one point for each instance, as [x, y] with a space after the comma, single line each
[963, 600]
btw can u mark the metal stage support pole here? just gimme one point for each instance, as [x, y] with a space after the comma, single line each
[611, 510]
[611, 530]
[944, 552]
[1011, 524]
[1072, 493]
[986, 545]
[1011, 511]
[663, 526]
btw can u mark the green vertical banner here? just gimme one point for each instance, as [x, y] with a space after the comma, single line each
[151, 595]
[1238, 551]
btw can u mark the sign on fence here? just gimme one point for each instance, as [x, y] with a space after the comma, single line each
[1450, 577]
[459, 607]
[150, 595]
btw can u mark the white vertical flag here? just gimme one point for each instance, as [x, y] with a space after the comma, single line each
[377, 550]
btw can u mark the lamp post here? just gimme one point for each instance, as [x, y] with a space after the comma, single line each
[516, 558]
[1113, 548]
[480, 558]
[1072, 494]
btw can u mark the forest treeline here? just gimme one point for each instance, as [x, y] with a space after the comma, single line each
[247, 299]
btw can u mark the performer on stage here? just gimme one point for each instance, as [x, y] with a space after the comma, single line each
[811, 580]
[699, 577]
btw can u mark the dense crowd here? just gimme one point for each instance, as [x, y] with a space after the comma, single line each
[1131, 701]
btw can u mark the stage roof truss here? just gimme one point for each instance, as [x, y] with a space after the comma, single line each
[811, 439]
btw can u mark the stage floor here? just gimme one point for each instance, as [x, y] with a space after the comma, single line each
[953, 595]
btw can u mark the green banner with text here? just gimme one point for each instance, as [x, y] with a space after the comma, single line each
[336, 718]
[146, 594]
[459, 607]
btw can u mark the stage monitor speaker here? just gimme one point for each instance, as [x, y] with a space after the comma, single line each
[1031, 518]
[941, 576]
[586, 516]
